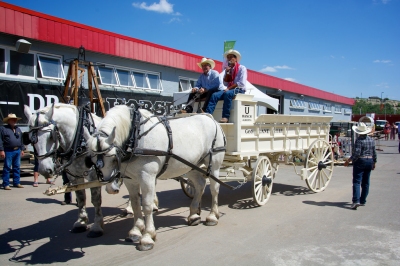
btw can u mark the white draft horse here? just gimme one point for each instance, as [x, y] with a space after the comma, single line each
[198, 139]
[54, 128]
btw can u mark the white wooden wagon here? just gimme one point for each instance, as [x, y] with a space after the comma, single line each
[255, 144]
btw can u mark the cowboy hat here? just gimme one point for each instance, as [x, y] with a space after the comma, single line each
[234, 52]
[361, 129]
[10, 116]
[207, 61]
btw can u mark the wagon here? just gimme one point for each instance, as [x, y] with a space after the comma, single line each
[256, 145]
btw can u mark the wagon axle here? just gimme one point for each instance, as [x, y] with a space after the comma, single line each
[321, 165]
[266, 181]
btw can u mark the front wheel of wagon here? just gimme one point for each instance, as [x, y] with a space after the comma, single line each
[187, 187]
[262, 180]
[319, 165]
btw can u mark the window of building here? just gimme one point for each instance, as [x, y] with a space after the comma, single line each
[314, 106]
[125, 78]
[186, 84]
[50, 67]
[294, 103]
[22, 64]
[327, 108]
[2, 60]
[116, 76]
[140, 80]
[347, 111]
[338, 109]
[107, 76]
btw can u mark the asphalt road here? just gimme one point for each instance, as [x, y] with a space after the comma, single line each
[295, 227]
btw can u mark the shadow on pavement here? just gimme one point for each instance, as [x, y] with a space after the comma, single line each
[344, 205]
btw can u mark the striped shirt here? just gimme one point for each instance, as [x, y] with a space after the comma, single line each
[364, 147]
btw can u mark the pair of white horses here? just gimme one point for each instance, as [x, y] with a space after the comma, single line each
[192, 137]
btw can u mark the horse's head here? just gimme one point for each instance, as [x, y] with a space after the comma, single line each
[104, 155]
[43, 137]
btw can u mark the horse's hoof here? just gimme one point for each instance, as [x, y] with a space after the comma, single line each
[132, 239]
[94, 234]
[79, 229]
[211, 222]
[146, 247]
[194, 221]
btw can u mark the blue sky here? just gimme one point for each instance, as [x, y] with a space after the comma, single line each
[348, 47]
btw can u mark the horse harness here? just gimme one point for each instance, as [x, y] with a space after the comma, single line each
[77, 147]
[132, 150]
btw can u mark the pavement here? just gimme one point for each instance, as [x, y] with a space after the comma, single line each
[295, 227]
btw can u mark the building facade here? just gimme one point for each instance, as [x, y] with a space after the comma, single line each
[128, 70]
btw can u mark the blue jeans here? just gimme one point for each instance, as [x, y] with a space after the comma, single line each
[361, 172]
[227, 96]
[12, 160]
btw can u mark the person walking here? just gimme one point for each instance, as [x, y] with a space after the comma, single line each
[11, 150]
[364, 161]
[386, 130]
[393, 131]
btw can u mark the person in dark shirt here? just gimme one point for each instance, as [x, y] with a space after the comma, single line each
[364, 160]
[11, 150]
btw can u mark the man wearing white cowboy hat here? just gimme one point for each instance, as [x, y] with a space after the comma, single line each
[207, 82]
[11, 150]
[235, 81]
[364, 160]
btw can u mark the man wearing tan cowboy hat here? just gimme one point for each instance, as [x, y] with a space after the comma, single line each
[208, 82]
[11, 150]
[364, 160]
[235, 79]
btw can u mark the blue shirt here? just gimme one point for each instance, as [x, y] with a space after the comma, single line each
[364, 147]
[9, 139]
[209, 81]
[240, 79]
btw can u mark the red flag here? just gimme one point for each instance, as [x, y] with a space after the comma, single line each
[381, 106]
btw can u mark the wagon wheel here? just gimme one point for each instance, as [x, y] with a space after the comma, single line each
[319, 165]
[187, 187]
[262, 180]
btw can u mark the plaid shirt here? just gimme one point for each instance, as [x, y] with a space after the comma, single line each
[364, 146]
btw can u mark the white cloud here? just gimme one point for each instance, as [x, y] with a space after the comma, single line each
[382, 61]
[267, 69]
[332, 57]
[274, 68]
[382, 85]
[290, 79]
[162, 7]
[174, 20]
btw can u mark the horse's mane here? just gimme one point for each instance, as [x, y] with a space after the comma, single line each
[119, 117]
[145, 113]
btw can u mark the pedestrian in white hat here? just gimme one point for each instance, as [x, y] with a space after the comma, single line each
[364, 160]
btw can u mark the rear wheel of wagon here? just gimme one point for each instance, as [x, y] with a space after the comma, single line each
[319, 165]
[262, 180]
[187, 187]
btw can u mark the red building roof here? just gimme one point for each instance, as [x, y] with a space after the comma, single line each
[30, 24]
